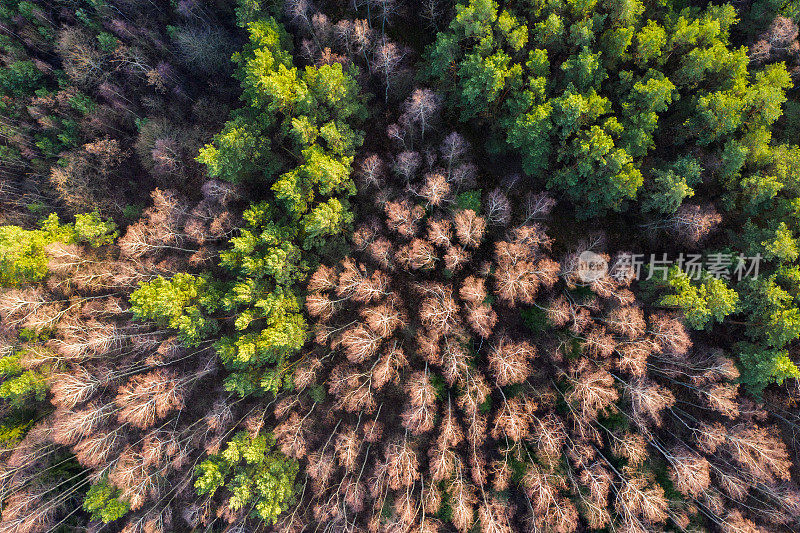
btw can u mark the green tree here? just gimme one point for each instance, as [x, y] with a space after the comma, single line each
[669, 186]
[23, 257]
[762, 365]
[19, 385]
[264, 249]
[774, 308]
[298, 135]
[180, 302]
[21, 78]
[254, 473]
[781, 245]
[241, 152]
[104, 502]
[288, 110]
[92, 229]
[325, 220]
[586, 98]
[269, 324]
[703, 303]
[651, 41]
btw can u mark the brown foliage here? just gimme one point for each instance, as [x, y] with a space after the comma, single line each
[482, 319]
[759, 452]
[401, 465]
[403, 218]
[670, 334]
[372, 171]
[637, 499]
[455, 258]
[693, 223]
[435, 189]
[473, 290]
[592, 391]
[146, 398]
[417, 255]
[469, 228]
[430, 400]
[648, 401]
[440, 232]
[689, 471]
[420, 412]
[510, 362]
[627, 321]
[438, 310]
[513, 420]
[72, 426]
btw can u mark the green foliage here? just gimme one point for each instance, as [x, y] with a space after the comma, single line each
[263, 249]
[22, 252]
[269, 324]
[773, 307]
[289, 112]
[23, 390]
[585, 97]
[108, 43]
[180, 302]
[20, 385]
[251, 10]
[296, 135]
[104, 502]
[95, 231]
[704, 302]
[619, 103]
[82, 103]
[469, 200]
[22, 257]
[20, 78]
[325, 220]
[254, 473]
[669, 186]
[534, 319]
[15, 425]
[445, 511]
[132, 211]
[317, 393]
[781, 245]
[762, 365]
[769, 196]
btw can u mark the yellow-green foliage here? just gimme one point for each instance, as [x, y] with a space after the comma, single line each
[22, 252]
[254, 473]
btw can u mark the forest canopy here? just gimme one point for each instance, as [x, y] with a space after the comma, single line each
[377, 266]
[614, 103]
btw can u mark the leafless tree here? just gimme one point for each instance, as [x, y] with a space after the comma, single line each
[421, 110]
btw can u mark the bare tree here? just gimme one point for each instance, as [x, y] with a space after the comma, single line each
[435, 190]
[510, 362]
[149, 397]
[421, 110]
[420, 411]
[690, 223]
[372, 171]
[386, 61]
[469, 228]
[406, 165]
[440, 231]
[403, 218]
[498, 208]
